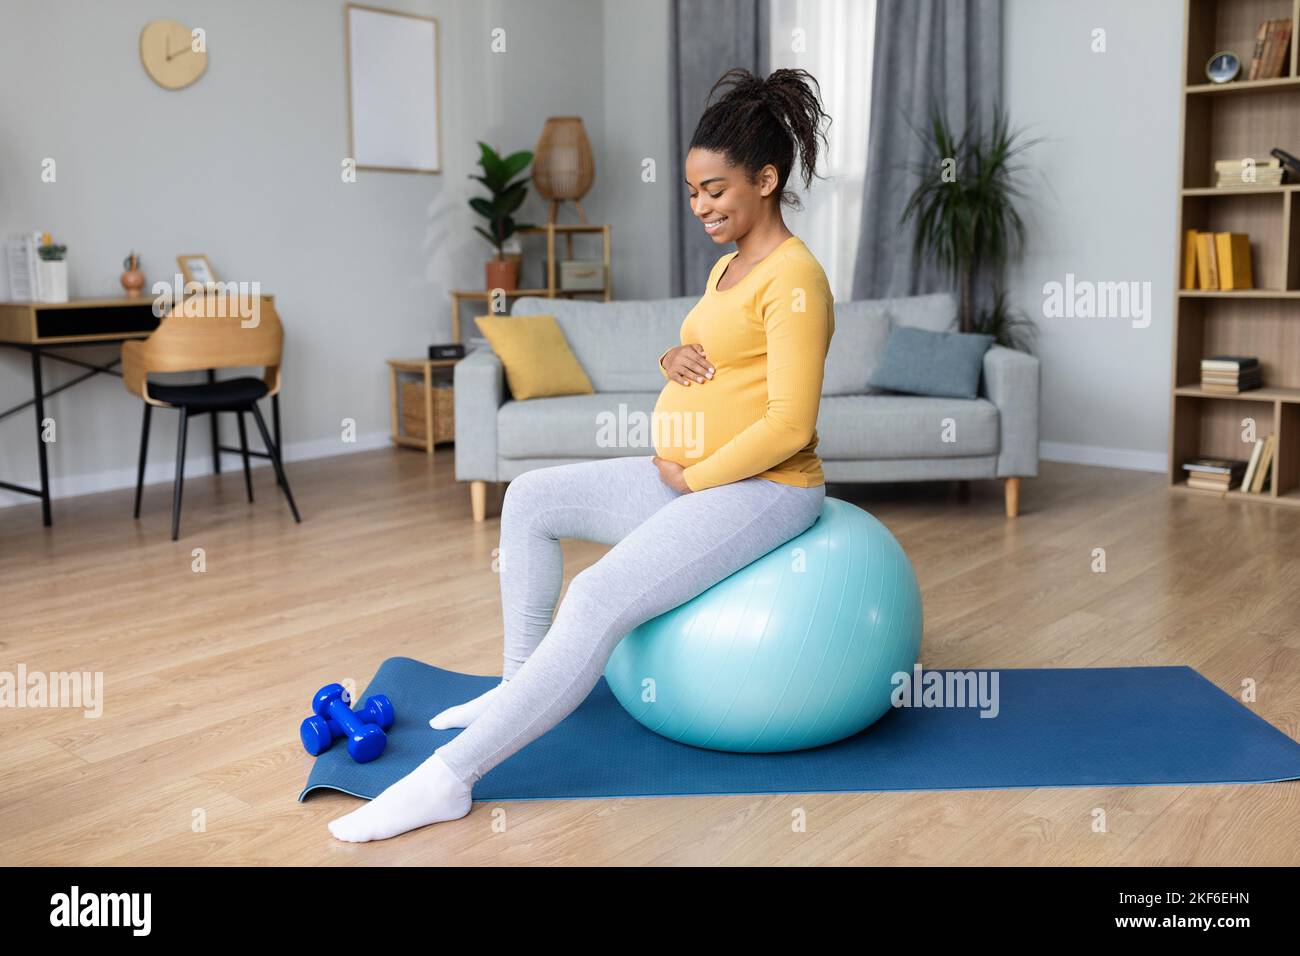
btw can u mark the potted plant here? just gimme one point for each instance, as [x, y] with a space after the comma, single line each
[53, 270]
[506, 197]
[966, 217]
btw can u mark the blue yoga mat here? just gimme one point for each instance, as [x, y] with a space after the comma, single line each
[1072, 727]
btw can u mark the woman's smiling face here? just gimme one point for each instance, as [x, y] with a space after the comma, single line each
[721, 195]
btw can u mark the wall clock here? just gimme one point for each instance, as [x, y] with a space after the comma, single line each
[168, 55]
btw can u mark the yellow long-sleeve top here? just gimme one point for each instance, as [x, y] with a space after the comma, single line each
[766, 338]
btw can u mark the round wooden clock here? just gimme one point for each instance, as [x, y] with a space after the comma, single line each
[168, 56]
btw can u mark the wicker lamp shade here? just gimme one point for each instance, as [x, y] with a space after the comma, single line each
[563, 168]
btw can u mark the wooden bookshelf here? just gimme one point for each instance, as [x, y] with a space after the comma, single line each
[552, 231]
[1228, 121]
[551, 290]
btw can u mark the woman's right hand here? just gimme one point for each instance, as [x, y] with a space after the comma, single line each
[688, 363]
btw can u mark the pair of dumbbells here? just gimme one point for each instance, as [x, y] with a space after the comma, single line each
[334, 717]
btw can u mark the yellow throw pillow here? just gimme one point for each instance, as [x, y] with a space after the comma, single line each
[537, 359]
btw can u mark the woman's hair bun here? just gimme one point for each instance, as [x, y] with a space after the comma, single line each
[757, 121]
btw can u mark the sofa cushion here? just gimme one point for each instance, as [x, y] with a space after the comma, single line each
[932, 363]
[868, 427]
[617, 343]
[935, 312]
[577, 426]
[859, 340]
[862, 328]
[537, 360]
[849, 427]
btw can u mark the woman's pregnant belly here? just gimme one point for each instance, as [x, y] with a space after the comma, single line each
[692, 422]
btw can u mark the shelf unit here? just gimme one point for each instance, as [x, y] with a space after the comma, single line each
[552, 231]
[1226, 121]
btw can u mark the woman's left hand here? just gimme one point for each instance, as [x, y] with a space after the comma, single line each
[671, 474]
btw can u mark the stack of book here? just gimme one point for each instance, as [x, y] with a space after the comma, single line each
[1214, 474]
[1261, 457]
[1241, 173]
[1230, 374]
[1217, 261]
[1272, 42]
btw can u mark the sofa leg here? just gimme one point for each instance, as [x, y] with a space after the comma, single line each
[478, 499]
[1012, 489]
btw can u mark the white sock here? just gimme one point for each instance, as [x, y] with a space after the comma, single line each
[462, 715]
[430, 793]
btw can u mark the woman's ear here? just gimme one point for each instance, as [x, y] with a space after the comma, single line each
[767, 180]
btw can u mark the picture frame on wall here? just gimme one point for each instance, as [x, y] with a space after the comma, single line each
[394, 121]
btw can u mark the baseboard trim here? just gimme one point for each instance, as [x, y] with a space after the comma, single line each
[198, 462]
[1126, 458]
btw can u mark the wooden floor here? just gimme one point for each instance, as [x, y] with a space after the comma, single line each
[208, 674]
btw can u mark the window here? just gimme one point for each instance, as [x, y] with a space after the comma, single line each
[834, 41]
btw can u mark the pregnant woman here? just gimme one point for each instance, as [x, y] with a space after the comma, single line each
[736, 474]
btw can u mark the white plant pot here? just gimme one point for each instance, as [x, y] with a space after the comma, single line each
[54, 281]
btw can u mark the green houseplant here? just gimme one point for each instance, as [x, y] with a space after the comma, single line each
[505, 197]
[966, 218]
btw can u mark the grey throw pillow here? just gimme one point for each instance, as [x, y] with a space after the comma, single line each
[862, 327]
[919, 362]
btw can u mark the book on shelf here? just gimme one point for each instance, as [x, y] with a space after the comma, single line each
[1214, 474]
[1230, 374]
[1272, 43]
[1232, 253]
[1289, 162]
[1222, 261]
[1256, 477]
[1247, 171]
[1207, 485]
[1229, 363]
[1207, 270]
[1217, 389]
[1221, 378]
[1257, 55]
[1227, 378]
[1189, 259]
[1256, 472]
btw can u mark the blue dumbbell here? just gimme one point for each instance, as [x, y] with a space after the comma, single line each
[334, 717]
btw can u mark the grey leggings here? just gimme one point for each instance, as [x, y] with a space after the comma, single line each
[667, 548]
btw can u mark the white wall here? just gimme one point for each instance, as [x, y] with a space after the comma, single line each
[1103, 207]
[244, 166]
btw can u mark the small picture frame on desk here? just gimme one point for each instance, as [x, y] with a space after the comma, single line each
[196, 268]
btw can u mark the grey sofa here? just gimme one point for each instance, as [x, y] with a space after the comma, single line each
[865, 435]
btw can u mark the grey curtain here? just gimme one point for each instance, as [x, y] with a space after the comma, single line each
[708, 38]
[943, 51]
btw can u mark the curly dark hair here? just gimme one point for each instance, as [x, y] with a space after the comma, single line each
[757, 121]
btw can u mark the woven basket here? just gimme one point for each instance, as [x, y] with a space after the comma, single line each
[444, 411]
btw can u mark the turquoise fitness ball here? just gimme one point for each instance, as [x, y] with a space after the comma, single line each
[796, 650]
